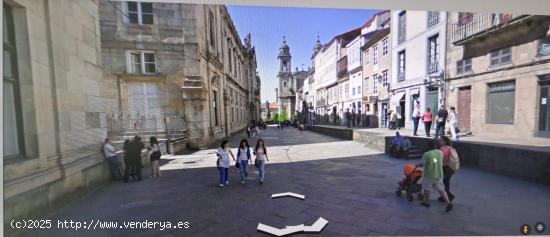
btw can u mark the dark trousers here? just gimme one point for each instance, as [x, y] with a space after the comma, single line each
[440, 129]
[447, 174]
[427, 126]
[415, 124]
[133, 168]
[115, 167]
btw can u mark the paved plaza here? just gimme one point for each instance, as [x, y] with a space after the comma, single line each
[344, 182]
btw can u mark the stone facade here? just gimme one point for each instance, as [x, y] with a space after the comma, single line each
[418, 61]
[58, 103]
[289, 82]
[527, 67]
[377, 75]
[198, 56]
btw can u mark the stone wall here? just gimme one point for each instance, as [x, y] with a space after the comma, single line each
[528, 163]
[64, 104]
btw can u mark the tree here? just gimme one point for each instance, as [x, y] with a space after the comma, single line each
[275, 117]
[283, 116]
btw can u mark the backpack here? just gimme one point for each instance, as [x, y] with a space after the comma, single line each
[454, 162]
[155, 155]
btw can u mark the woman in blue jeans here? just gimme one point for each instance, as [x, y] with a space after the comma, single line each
[261, 157]
[223, 154]
[243, 157]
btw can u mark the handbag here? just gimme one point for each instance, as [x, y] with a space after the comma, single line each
[454, 162]
[237, 164]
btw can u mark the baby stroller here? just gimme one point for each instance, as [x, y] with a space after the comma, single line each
[410, 183]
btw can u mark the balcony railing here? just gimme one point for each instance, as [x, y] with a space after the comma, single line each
[321, 102]
[433, 18]
[433, 67]
[401, 76]
[472, 24]
[343, 66]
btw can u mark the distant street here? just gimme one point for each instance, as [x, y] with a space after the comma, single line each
[344, 182]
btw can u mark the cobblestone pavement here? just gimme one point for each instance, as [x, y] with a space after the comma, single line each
[344, 182]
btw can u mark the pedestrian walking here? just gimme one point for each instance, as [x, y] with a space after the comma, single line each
[416, 117]
[450, 165]
[243, 157]
[427, 120]
[134, 155]
[393, 120]
[248, 131]
[432, 176]
[115, 164]
[261, 157]
[348, 118]
[441, 119]
[154, 155]
[257, 131]
[223, 162]
[127, 164]
[453, 122]
[301, 128]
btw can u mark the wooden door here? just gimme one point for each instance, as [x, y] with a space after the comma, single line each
[463, 108]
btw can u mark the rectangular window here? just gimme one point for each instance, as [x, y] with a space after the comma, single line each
[366, 57]
[499, 57]
[13, 129]
[366, 86]
[139, 13]
[375, 55]
[141, 62]
[464, 66]
[401, 28]
[385, 47]
[501, 102]
[465, 18]
[433, 18]
[375, 86]
[433, 54]
[284, 84]
[385, 83]
[544, 46]
[353, 91]
[215, 107]
[212, 29]
[401, 66]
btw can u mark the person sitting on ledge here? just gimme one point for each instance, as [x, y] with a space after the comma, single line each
[396, 146]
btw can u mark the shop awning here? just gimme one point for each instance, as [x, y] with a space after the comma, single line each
[396, 98]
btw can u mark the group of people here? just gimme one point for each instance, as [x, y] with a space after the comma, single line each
[132, 150]
[439, 165]
[244, 157]
[253, 130]
[444, 120]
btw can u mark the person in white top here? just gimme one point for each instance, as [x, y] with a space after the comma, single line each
[223, 162]
[243, 157]
[115, 164]
[416, 117]
[261, 158]
[453, 122]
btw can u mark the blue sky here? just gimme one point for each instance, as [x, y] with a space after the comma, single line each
[300, 26]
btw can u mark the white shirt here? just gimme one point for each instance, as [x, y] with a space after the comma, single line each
[109, 150]
[242, 155]
[260, 154]
[224, 160]
[416, 112]
[453, 118]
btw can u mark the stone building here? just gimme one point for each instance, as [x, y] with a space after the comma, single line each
[55, 102]
[289, 81]
[377, 73]
[498, 68]
[418, 61]
[178, 70]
